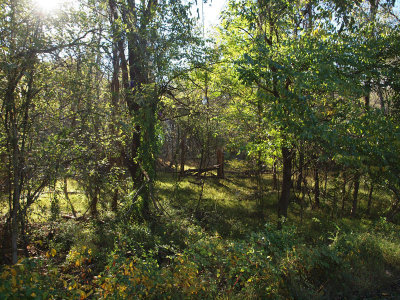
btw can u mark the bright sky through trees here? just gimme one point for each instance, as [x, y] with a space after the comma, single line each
[212, 12]
[48, 5]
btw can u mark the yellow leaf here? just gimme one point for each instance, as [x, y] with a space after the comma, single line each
[88, 294]
[4, 275]
[13, 272]
[13, 281]
[33, 295]
[53, 252]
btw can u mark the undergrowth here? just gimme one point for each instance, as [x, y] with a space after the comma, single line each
[220, 249]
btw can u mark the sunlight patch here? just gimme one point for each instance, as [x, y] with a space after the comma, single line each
[48, 6]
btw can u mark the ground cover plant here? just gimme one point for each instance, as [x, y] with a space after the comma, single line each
[225, 249]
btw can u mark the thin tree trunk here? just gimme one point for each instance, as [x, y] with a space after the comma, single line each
[302, 201]
[367, 96]
[23, 235]
[301, 163]
[17, 173]
[371, 189]
[14, 236]
[201, 160]
[114, 204]
[65, 189]
[183, 152]
[326, 182]
[93, 203]
[175, 148]
[336, 195]
[381, 100]
[274, 176]
[316, 187]
[344, 190]
[220, 163]
[355, 194]
[260, 191]
[286, 183]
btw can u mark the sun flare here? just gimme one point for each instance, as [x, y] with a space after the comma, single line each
[48, 5]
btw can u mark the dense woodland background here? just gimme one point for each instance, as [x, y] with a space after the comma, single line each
[141, 157]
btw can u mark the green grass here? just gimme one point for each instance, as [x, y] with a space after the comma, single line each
[228, 206]
[40, 210]
[209, 240]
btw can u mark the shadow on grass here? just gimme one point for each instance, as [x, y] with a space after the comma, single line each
[231, 207]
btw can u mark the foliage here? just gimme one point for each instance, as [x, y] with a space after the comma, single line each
[270, 263]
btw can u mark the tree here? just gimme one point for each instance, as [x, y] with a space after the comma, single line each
[158, 36]
[29, 146]
[309, 75]
[271, 64]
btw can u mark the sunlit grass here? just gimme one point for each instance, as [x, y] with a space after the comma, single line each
[208, 220]
[41, 209]
[234, 199]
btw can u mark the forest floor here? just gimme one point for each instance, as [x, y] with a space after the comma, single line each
[212, 238]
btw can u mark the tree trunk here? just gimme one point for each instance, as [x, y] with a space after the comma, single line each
[326, 181]
[344, 190]
[371, 189]
[286, 183]
[274, 176]
[14, 236]
[24, 237]
[336, 194]
[17, 173]
[367, 96]
[316, 187]
[175, 148]
[355, 194]
[220, 163]
[301, 163]
[201, 160]
[381, 100]
[65, 189]
[93, 204]
[114, 204]
[133, 107]
[115, 86]
[183, 152]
